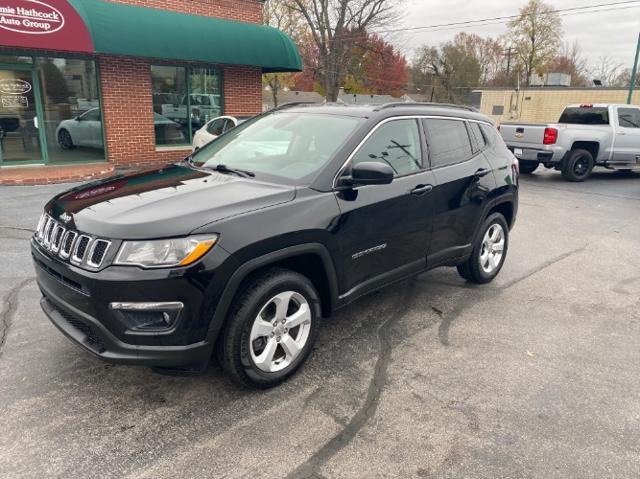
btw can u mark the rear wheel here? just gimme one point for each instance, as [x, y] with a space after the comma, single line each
[577, 166]
[489, 251]
[64, 140]
[528, 166]
[271, 329]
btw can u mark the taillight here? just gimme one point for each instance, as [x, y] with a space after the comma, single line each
[516, 167]
[550, 136]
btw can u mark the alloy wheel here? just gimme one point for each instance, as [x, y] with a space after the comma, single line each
[280, 331]
[492, 248]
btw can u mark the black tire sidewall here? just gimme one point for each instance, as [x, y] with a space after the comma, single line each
[567, 171]
[69, 143]
[237, 350]
[478, 274]
[528, 166]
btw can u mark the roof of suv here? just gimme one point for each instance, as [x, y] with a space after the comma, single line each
[387, 110]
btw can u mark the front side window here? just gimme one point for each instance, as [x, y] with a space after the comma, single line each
[184, 100]
[397, 144]
[629, 117]
[91, 115]
[216, 127]
[288, 146]
[448, 141]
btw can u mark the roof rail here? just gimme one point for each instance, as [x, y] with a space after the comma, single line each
[416, 103]
[292, 104]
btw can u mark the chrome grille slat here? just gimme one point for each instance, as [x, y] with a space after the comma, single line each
[74, 246]
[67, 244]
[80, 249]
[97, 253]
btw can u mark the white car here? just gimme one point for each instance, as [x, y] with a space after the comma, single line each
[86, 130]
[214, 128]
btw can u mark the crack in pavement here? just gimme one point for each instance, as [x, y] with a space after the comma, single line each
[310, 468]
[448, 319]
[10, 306]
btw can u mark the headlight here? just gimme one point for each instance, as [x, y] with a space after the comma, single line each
[165, 253]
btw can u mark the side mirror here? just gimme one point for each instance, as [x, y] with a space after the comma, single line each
[369, 173]
[77, 118]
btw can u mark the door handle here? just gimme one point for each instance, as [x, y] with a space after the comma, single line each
[421, 190]
[481, 173]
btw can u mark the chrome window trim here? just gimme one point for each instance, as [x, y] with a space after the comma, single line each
[92, 249]
[74, 256]
[387, 120]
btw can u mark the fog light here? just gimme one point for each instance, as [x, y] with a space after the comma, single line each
[149, 316]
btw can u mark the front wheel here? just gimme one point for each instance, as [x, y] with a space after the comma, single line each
[489, 251]
[271, 329]
[577, 165]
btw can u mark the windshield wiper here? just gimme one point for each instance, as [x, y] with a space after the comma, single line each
[225, 169]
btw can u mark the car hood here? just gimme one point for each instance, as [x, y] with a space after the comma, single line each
[162, 203]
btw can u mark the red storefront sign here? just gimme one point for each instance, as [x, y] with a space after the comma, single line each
[45, 25]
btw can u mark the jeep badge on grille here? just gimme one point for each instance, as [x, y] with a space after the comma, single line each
[66, 217]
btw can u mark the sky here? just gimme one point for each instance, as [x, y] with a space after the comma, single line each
[612, 33]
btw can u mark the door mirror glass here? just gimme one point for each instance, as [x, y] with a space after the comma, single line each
[371, 173]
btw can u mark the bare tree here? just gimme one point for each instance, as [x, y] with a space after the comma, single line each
[334, 24]
[487, 51]
[571, 61]
[537, 35]
[607, 70]
[279, 14]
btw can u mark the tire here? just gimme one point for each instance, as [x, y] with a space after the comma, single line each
[577, 166]
[527, 166]
[244, 351]
[483, 265]
[64, 140]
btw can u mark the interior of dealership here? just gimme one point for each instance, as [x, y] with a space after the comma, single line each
[74, 93]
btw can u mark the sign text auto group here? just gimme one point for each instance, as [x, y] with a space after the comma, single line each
[32, 18]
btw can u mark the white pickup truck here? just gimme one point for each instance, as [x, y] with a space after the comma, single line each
[586, 135]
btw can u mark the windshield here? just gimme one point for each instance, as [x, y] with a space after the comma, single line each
[289, 146]
[585, 116]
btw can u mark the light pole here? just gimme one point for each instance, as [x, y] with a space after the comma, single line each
[634, 73]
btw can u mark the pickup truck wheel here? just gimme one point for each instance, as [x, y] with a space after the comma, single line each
[527, 166]
[271, 329]
[577, 165]
[489, 251]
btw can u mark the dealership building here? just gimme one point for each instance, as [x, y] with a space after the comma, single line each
[89, 86]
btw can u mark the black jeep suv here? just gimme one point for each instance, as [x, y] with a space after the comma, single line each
[247, 244]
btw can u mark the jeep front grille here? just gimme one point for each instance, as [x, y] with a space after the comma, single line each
[70, 245]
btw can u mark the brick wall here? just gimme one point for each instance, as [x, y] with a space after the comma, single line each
[242, 10]
[126, 88]
[542, 105]
[128, 108]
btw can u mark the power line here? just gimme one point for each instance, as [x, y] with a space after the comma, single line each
[505, 19]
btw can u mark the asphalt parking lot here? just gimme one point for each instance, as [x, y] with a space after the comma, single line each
[534, 375]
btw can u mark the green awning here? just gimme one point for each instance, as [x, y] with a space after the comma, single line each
[119, 29]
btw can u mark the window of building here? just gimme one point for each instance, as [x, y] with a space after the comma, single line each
[184, 100]
[71, 107]
[497, 110]
[397, 144]
[629, 117]
[448, 141]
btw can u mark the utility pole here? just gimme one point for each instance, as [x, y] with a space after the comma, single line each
[509, 50]
[634, 73]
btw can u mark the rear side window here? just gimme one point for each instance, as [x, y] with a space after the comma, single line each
[477, 134]
[585, 116]
[448, 141]
[397, 144]
[216, 127]
[629, 117]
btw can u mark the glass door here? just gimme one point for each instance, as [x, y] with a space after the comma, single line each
[19, 133]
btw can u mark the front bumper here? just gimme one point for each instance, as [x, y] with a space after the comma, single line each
[77, 303]
[92, 336]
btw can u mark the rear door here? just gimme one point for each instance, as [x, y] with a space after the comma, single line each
[627, 141]
[464, 179]
[384, 229]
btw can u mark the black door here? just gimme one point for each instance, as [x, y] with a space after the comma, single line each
[384, 229]
[463, 178]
